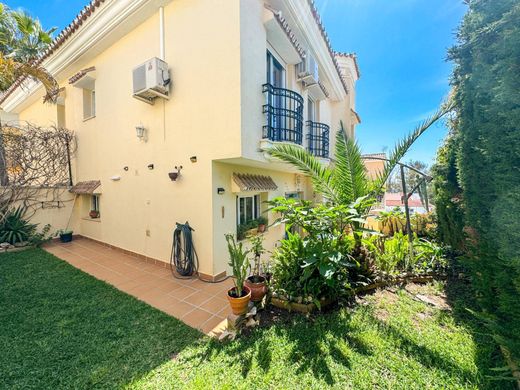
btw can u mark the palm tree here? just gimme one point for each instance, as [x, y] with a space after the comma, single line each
[22, 41]
[346, 180]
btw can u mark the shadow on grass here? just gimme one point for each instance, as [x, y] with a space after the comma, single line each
[313, 345]
[62, 328]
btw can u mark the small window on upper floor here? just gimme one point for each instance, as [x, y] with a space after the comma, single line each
[89, 103]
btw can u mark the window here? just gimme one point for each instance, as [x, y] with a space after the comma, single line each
[248, 208]
[95, 203]
[312, 110]
[275, 72]
[89, 103]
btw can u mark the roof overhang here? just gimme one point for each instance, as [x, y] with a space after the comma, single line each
[313, 34]
[102, 28]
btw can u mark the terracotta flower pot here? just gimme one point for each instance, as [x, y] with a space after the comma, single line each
[94, 214]
[239, 305]
[261, 228]
[258, 290]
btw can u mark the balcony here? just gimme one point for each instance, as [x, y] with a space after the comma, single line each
[318, 139]
[284, 115]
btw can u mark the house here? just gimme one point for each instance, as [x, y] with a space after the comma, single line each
[173, 104]
[393, 199]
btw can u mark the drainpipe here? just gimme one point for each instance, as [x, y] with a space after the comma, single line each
[161, 32]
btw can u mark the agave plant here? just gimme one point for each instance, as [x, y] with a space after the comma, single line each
[22, 41]
[15, 228]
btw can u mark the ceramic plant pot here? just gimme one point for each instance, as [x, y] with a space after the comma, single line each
[66, 237]
[258, 290]
[261, 228]
[239, 305]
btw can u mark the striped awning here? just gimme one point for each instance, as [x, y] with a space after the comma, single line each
[85, 187]
[247, 182]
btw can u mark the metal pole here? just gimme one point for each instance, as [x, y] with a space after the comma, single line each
[407, 213]
[67, 144]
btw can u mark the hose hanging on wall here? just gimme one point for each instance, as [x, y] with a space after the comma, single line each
[184, 261]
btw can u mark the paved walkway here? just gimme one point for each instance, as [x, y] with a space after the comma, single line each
[200, 305]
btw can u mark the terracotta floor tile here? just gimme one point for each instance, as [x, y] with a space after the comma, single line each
[198, 298]
[192, 300]
[182, 292]
[214, 325]
[196, 318]
[179, 309]
[215, 305]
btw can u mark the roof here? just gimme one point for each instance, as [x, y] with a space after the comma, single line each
[374, 156]
[85, 187]
[82, 16]
[356, 115]
[247, 182]
[354, 58]
[332, 53]
[395, 199]
[287, 29]
[78, 76]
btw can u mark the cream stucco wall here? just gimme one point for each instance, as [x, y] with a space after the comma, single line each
[216, 53]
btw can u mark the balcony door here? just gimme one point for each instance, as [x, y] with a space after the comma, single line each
[276, 77]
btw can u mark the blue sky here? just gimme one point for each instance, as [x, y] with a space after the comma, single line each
[401, 47]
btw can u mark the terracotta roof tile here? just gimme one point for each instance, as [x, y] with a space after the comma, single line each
[85, 187]
[78, 76]
[247, 182]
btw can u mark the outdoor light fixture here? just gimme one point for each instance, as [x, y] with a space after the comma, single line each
[221, 191]
[139, 131]
[193, 159]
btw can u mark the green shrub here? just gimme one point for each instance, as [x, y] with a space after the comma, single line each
[315, 264]
[15, 229]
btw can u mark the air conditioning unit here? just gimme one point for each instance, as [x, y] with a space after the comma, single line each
[308, 70]
[151, 80]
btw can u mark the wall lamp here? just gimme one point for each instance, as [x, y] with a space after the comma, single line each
[221, 191]
[140, 132]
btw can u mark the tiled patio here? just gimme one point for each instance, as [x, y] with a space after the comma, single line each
[198, 304]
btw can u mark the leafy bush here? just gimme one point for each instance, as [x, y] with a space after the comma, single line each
[316, 263]
[392, 221]
[392, 255]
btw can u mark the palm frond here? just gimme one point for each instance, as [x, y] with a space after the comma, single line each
[350, 176]
[39, 73]
[308, 164]
[404, 145]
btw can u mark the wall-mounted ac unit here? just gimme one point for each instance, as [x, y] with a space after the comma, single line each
[151, 80]
[308, 70]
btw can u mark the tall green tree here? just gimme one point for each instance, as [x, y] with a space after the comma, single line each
[485, 153]
[22, 41]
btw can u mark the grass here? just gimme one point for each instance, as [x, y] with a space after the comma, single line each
[61, 328]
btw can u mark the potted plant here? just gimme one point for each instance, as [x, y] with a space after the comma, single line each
[65, 235]
[239, 295]
[262, 222]
[93, 214]
[257, 283]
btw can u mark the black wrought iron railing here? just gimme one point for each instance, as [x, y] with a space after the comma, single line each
[318, 138]
[284, 115]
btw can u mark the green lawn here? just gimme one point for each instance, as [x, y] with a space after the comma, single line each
[60, 328]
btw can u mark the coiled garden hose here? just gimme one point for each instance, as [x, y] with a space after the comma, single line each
[184, 261]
